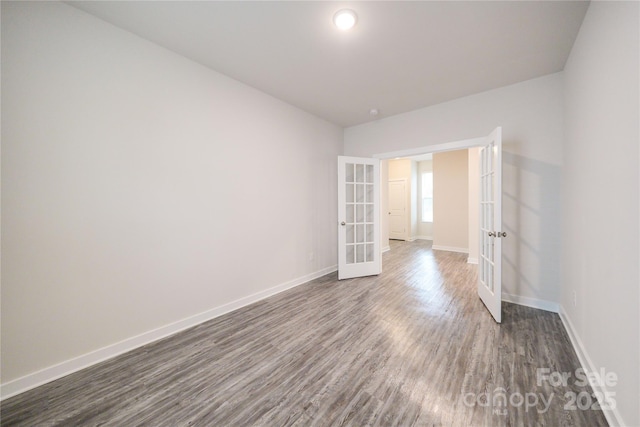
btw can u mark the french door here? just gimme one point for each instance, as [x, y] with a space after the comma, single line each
[358, 217]
[491, 234]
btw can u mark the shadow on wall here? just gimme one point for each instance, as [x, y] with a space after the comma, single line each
[531, 215]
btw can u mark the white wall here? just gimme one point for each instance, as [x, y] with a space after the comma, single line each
[400, 169]
[451, 201]
[474, 203]
[140, 188]
[531, 116]
[425, 229]
[601, 189]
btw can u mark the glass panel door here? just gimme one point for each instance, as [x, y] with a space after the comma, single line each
[358, 217]
[490, 261]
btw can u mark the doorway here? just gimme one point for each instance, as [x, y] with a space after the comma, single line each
[439, 204]
[489, 206]
[397, 215]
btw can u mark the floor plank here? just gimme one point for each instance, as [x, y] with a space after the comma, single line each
[402, 348]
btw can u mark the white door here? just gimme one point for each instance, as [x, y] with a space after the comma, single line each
[398, 209]
[358, 217]
[491, 234]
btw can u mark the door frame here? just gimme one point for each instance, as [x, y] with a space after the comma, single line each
[435, 148]
[438, 148]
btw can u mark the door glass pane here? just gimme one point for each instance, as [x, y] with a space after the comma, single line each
[490, 278]
[491, 195]
[484, 160]
[360, 193]
[350, 254]
[359, 173]
[484, 271]
[369, 195]
[490, 216]
[370, 173]
[348, 169]
[359, 213]
[370, 252]
[349, 214]
[350, 234]
[359, 233]
[349, 193]
[484, 216]
[360, 253]
[369, 217]
[490, 156]
[369, 233]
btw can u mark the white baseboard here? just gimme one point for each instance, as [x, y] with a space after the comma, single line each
[30, 381]
[424, 238]
[472, 260]
[612, 415]
[386, 249]
[531, 302]
[450, 249]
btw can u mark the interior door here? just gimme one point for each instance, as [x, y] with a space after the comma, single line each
[358, 217]
[491, 234]
[398, 209]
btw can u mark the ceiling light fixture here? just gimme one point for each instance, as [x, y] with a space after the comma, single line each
[345, 19]
[373, 111]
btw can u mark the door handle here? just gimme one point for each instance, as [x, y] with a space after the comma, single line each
[497, 234]
[503, 234]
[343, 223]
[492, 234]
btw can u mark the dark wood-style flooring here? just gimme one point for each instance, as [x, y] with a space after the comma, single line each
[411, 347]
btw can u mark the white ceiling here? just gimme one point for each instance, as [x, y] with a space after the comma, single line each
[400, 56]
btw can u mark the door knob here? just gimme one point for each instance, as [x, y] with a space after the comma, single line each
[492, 234]
[503, 234]
[343, 223]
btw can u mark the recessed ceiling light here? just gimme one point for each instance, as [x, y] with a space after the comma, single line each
[345, 19]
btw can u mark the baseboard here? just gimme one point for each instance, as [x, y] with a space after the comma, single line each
[30, 381]
[612, 415]
[531, 302]
[386, 249]
[472, 260]
[424, 238]
[450, 249]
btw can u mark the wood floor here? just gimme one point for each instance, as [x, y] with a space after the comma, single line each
[413, 346]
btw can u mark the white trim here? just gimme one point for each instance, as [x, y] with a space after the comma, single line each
[386, 249]
[531, 302]
[424, 238]
[436, 148]
[472, 260]
[450, 249]
[30, 381]
[612, 415]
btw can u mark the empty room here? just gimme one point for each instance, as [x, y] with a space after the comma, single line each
[200, 224]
